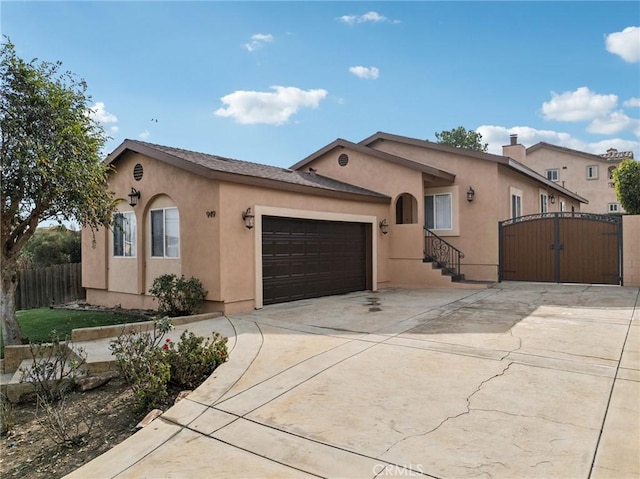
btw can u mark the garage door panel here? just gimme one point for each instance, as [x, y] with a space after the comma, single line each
[309, 258]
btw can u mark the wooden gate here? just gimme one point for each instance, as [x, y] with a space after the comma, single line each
[562, 248]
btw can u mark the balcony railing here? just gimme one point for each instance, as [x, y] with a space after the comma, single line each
[444, 254]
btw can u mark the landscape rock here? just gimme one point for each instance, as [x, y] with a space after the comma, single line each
[91, 382]
[182, 395]
[149, 418]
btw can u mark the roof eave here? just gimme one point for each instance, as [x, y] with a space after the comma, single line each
[414, 165]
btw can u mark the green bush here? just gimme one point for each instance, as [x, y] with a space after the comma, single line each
[143, 364]
[178, 296]
[149, 362]
[194, 358]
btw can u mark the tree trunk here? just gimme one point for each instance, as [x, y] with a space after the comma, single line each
[11, 333]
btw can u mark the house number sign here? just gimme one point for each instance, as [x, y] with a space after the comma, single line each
[211, 214]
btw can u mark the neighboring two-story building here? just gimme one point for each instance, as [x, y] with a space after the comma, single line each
[586, 174]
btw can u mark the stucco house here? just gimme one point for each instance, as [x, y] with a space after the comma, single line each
[349, 217]
[586, 174]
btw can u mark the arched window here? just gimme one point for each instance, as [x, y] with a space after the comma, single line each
[406, 209]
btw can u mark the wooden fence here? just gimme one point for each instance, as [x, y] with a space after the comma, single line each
[42, 287]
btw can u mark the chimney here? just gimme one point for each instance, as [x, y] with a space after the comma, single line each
[514, 149]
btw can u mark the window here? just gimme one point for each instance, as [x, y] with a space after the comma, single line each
[165, 233]
[544, 203]
[563, 206]
[614, 207]
[611, 170]
[592, 172]
[516, 206]
[437, 211]
[552, 175]
[124, 234]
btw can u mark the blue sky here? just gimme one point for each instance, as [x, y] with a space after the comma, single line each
[272, 82]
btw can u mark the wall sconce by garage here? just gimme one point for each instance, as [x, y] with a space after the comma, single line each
[249, 219]
[552, 199]
[470, 194]
[134, 196]
[384, 226]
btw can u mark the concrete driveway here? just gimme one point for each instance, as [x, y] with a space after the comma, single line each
[520, 380]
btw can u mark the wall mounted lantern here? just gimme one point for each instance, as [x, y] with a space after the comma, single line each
[552, 199]
[470, 194]
[384, 226]
[249, 219]
[134, 196]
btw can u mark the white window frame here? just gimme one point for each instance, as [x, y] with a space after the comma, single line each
[437, 226]
[553, 174]
[544, 202]
[592, 172]
[613, 207]
[165, 247]
[516, 204]
[127, 233]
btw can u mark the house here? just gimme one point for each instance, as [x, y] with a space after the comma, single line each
[349, 217]
[586, 174]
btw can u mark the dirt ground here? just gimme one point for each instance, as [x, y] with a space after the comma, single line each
[28, 451]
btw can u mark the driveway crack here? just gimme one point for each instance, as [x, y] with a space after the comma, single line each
[449, 418]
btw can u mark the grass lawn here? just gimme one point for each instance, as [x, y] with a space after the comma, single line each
[37, 324]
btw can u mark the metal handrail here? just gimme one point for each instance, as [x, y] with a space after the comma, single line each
[442, 252]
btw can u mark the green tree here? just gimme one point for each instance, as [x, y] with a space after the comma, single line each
[51, 162]
[49, 246]
[461, 138]
[626, 181]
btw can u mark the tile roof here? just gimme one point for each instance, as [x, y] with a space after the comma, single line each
[613, 154]
[204, 162]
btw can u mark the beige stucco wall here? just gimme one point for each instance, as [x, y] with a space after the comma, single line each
[631, 250]
[572, 171]
[161, 185]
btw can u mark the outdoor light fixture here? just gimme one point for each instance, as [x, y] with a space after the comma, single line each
[134, 196]
[249, 219]
[470, 194]
[552, 199]
[384, 226]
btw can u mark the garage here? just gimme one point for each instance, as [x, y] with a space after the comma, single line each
[304, 258]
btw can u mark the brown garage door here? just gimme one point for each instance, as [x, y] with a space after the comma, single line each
[307, 258]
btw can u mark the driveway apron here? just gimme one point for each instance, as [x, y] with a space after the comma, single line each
[523, 380]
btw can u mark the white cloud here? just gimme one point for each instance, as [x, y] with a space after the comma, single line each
[614, 122]
[625, 44]
[271, 108]
[369, 17]
[497, 136]
[632, 103]
[144, 135]
[368, 73]
[579, 105]
[114, 129]
[258, 40]
[99, 113]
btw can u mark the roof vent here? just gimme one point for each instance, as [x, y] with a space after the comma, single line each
[138, 172]
[343, 159]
